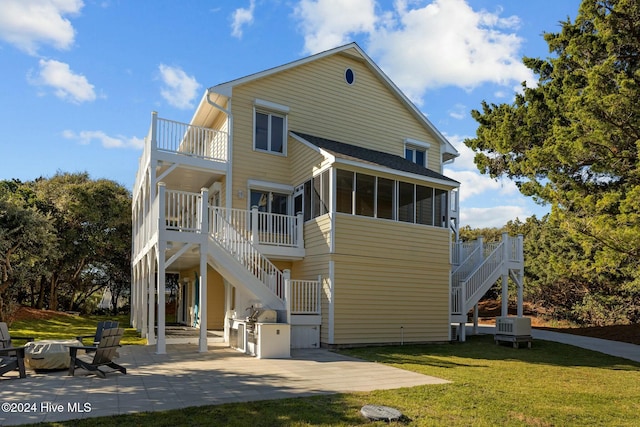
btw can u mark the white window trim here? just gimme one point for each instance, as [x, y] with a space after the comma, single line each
[272, 106]
[285, 130]
[415, 144]
[254, 184]
[271, 187]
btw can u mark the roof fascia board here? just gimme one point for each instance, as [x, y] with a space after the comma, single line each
[314, 147]
[449, 148]
[225, 88]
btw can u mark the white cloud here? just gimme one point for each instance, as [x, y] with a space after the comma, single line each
[495, 216]
[448, 43]
[458, 112]
[472, 182]
[66, 84]
[445, 43]
[242, 17]
[465, 160]
[85, 137]
[329, 23]
[27, 24]
[179, 89]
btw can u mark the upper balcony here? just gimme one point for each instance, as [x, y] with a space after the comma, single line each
[186, 157]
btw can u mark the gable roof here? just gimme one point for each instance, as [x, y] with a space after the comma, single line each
[224, 90]
[361, 155]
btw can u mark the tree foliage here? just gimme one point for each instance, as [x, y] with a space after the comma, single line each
[557, 279]
[73, 238]
[572, 142]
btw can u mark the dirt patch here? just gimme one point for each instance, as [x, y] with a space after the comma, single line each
[25, 313]
[623, 333]
[489, 310]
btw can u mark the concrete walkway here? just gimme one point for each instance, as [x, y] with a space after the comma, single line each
[613, 348]
[184, 377]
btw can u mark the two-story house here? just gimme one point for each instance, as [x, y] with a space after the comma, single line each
[309, 196]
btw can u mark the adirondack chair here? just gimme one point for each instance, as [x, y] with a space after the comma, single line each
[11, 358]
[95, 338]
[5, 337]
[103, 354]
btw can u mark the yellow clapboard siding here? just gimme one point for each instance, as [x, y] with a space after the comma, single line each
[321, 103]
[389, 239]
[388, 276]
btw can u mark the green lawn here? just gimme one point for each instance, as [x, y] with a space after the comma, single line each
[68, 327]
[550, 384]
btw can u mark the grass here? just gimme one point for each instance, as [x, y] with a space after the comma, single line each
[550, 384]
[69, 326]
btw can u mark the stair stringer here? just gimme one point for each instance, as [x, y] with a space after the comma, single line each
[238, 275]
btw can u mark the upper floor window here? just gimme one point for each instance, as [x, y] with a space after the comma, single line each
[416, 151]
[270, 132]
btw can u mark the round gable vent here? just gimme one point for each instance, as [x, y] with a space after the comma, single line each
[349, 76]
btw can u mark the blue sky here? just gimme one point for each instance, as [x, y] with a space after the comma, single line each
[80, 78]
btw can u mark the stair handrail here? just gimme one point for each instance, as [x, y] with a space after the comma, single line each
[241, 248]
[466, 267]
[479, 276]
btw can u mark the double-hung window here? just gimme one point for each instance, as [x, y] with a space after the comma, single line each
[416, 151]
[270, 127]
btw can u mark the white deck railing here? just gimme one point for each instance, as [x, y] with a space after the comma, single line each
[182, 210]
[479, 267]
[196, 141]
[235, 231]
[265, 228]
[241, 248]
[304, 296]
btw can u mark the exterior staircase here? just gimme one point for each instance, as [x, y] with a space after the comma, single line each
[477, 266]
[242, 264]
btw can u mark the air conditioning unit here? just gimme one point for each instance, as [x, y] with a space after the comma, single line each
[516, 326]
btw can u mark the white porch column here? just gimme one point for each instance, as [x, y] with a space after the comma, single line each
[300, 230]
[151, 299]
[475, 319]
[204, 248]
[505, 274]
[228, 300]
[255, 238]
[287, 293]
[161, 347]
[462, 329]
[520, 274]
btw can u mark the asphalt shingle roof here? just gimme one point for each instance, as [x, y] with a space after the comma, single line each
[374, 157]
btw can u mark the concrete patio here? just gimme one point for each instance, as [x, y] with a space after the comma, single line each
[184, 377]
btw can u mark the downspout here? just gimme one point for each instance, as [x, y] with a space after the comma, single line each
[229, 179]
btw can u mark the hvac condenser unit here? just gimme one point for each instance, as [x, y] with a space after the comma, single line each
[515, 330]
[516, 326]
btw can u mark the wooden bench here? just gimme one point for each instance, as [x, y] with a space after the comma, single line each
[103, 354]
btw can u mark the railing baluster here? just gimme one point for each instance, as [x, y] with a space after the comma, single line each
[183, 138]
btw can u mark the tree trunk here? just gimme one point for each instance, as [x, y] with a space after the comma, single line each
[41, 293]
[53, 297]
